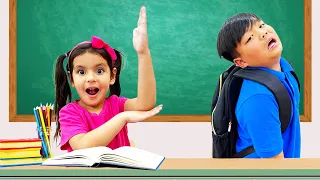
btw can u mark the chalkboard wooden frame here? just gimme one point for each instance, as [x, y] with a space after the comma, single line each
[14, 117]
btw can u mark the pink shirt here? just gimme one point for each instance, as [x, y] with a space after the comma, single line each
[74, 119]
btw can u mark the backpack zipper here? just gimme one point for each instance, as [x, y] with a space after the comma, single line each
[227, 107]
[229, 127]
[220, 87]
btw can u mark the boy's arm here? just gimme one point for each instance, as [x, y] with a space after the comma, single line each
[260, 115]
[278, 156]
[146, 96]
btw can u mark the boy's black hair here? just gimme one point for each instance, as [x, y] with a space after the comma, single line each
[232, 32]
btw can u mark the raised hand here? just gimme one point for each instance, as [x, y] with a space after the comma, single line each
[140, 37]
[136, 116]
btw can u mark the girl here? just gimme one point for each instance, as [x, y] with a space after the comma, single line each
[93, 68]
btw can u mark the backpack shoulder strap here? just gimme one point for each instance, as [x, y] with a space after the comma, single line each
[280, 92]
[295, 76]
[276, 87]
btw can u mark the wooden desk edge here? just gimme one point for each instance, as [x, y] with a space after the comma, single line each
[200, 164]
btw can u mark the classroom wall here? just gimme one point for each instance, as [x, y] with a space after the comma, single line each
[173, 140]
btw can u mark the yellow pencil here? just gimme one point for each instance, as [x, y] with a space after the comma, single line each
[44, 131]
[48, 118]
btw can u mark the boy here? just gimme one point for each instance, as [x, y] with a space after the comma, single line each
[248, 42]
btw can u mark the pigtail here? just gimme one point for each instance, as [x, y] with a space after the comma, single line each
[63, 91]
[115, 89]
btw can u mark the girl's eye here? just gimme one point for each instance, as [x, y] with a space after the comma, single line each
[100, 71]
[80, 72]
[261, 25]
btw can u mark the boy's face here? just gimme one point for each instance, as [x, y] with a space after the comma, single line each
[260, 46]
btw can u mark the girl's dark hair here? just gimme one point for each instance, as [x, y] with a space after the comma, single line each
[232, 32]
[62, 87]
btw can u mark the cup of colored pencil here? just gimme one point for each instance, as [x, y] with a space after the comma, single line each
[43, 116]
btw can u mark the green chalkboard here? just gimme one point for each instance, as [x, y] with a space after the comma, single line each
[182, 37]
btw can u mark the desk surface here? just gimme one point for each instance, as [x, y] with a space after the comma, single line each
[214, 164]
[184, 168]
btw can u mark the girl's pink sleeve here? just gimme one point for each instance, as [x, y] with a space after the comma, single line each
[71, 124]
[118, 101]
[122, 101]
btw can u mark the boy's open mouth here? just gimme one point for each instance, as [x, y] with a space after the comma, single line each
[92, 90]
[271, 43]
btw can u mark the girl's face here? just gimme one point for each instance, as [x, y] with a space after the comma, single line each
[92, 78]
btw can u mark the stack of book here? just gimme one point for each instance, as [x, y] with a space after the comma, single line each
[20, 152]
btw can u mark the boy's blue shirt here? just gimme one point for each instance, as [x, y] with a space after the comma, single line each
[258, 118]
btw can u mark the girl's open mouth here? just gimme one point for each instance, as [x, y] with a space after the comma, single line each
[92, 91]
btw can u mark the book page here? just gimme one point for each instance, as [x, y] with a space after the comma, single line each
[80, 161]
[148, 159]
[88, 153]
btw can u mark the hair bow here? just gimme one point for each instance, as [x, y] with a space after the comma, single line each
[98, 43]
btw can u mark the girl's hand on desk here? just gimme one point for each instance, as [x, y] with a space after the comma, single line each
[136, 116]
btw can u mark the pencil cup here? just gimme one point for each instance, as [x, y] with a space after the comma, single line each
[45, 137]
[42, 133]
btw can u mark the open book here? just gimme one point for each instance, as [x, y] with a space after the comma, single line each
[126, 156]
